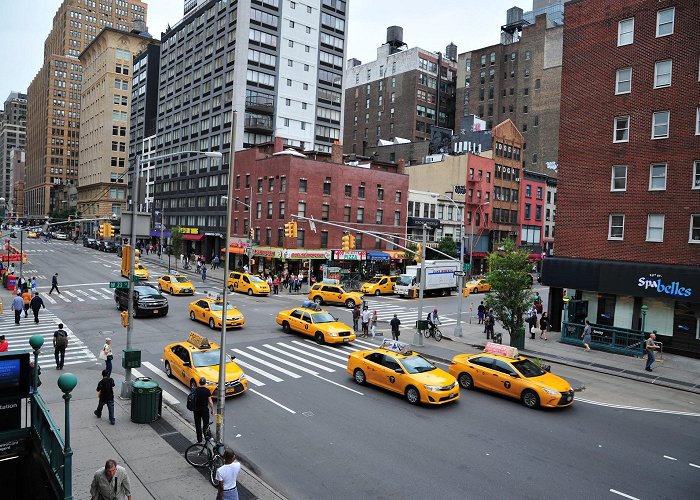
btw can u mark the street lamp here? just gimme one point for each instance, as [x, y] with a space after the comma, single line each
[644, 308]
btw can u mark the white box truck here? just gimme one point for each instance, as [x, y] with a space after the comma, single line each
[440, 279]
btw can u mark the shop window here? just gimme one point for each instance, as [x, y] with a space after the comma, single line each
[606, 309]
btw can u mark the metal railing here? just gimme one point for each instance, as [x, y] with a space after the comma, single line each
[606, 338]
[47, 437]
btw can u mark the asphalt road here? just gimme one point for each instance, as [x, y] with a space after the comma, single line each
[311, 432]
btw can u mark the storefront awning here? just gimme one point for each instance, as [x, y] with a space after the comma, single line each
[237, 250]
[378, 256]
[192, 237]
[535, 256]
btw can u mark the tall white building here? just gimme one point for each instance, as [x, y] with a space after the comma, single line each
[13, 135]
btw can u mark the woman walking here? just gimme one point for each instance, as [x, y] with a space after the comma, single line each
[107, 356]
[586, 336]
[374, 323]
[544, 322]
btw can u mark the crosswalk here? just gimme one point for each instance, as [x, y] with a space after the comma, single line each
[18, 338]
[406, 313]
[68, 295]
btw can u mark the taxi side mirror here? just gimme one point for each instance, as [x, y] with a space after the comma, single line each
[186, 363]
[398, 370]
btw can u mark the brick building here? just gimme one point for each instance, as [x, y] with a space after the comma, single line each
[628, 228]
[507, 153]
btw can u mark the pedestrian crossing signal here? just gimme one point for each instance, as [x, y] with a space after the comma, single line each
[125, 318]
[419, 252]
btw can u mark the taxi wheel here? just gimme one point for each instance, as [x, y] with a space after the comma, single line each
[476, 290]
[465, 381]
[212, 325]
[318, 300]
[319, 338]
[168, 370]
[530, 399]
[250, 291]
[172, 291]
[349, 303]
[378, 293]
[412, 395]
[230, 288]
[192, 315]
[359, 376]
[285, 327]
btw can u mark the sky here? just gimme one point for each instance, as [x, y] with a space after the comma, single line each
[470, 24]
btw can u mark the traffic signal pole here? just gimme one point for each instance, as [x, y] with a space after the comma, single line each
[417, 337]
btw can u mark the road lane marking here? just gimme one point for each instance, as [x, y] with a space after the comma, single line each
[637, 408]
[322, 349]
[283, 361]
[693, 465]
[169, 398]
[339, 385]
[298, 358]
[265, 363]
[311, 355]
[269, 375]
[623, 494]
[74, 296]
[273, 401]
[670, 458]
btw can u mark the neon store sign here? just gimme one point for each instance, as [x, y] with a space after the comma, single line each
[672, 288]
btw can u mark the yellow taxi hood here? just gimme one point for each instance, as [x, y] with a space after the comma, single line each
[335, 327]
[551, 381]
[434, 377]
[211, 373]
[230, 313]
[354, 295]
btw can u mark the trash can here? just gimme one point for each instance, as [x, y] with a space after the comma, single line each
[422, 325]
[146, 401]
[11, 282]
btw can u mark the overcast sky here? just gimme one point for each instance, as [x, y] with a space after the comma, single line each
[470, 24]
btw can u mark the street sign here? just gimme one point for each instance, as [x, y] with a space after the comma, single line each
[460, 273]
[467, 266]
[119, 284]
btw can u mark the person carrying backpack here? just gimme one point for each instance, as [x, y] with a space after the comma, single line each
[433, 321]
[60, 342]
[200, 400]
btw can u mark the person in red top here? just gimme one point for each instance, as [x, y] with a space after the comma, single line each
[4, 345]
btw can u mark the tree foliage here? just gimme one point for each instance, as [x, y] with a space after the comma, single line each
[447, 245]
[510, 295]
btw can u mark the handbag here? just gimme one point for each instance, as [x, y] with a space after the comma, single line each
[110, 357]
[102, 355]
[536, 331]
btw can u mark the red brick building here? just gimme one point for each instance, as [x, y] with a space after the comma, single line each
[628, 208]
[532, 212]
[507, 151]
[277, 183]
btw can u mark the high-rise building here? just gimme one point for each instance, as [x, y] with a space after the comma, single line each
[53, 112]
[627, 247]
[17, 159]
[279, 65]
[104, 121]
[13, 126]
[403, 93]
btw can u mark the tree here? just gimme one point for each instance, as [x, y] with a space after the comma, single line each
[510, 295]
[176, 242]
[447, 245]
[412, 247]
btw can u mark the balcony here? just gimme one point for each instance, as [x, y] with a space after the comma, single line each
[258, 123]
[260, 103]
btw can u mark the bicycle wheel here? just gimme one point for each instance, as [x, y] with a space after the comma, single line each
[216, 462]
[438, 335]
[198, 455]
[426, 333]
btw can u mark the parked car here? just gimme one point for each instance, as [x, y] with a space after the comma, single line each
[61, 236]
[88, 242]
[107, 246]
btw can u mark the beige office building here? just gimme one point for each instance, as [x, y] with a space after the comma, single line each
[53, 108]
[104, 121]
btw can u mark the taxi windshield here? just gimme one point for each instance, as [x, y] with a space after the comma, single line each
[373, 281]
[417, 364]
[181, 279]
[527, 368]
[323, 318]
[255, 279]
[206, 358]
[218, 306]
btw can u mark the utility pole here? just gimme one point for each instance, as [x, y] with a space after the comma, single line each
[418, 338]
[458, 328]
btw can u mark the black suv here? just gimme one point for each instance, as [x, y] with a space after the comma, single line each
[147, 301]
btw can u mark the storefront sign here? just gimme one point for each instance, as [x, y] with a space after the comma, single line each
[351, 255]
[306, 254]
[671, 288]
[189, 230]
[216, 235]
[267, 252]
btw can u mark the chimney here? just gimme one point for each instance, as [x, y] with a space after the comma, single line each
[279, 145]
[337, 153]
[402, 166]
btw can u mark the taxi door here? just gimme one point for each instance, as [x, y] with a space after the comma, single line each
[389, 379]
[384, 286]
[246, 284]
[373, 368]
[484, 374]
[332, 294]
[181, 371]
[295, 321]
[509, 383]
[306, 326]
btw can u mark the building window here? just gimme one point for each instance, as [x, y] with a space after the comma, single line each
[659, 124]
[657, 177]
[380, 193]
[623, 81]
[260, 186]
[324, 239]
[269, 209]
[361, 190]
[327, 186]
[360, 215]
[622, 129]
[696, 174]
[539, 192]
[346, 214]
[325, 209]
[283, 184]
[397, 197]
[528, 211]
[538, 212]
[302, 185]
[301, 240]
[664, 22]
[397, 218]
[616, 227]
[662, 74]
[694, 229]
[625, 32]
[528, 191]
[281, 211]
[618, 182]
[301, 209]
[655, 227]
[348, 190]
[380, 216]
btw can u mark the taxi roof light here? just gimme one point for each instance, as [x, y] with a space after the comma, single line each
[396, 346]
[502, 350]
[198, 341]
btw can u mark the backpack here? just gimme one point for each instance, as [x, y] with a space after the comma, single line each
[192, 401]
[61, 338]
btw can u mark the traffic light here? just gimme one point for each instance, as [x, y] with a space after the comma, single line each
[109, 232]
[251, 233]
[137, 252]
[346, 242]
[290, 229]
[419, 252]
[351, 241]
[102, 231]
[294, 228]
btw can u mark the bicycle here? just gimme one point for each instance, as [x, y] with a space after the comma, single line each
[433, 331]
[207, 454]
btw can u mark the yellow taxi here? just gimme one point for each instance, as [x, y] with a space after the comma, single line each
[141, 272]
[502, 370]
[176, 284]
[379, 285]
[323, 293]
[394, 367]
[32, 234]
[197, 357]
[247, 283]
[315, 322]
[209, 311]
[476, 286]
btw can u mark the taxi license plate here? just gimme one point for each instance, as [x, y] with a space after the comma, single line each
[155, 311]
[452, 395]
[346, 340]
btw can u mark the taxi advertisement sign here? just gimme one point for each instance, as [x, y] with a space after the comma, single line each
[501, 350]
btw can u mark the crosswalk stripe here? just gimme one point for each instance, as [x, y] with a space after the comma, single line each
[254, 381]
[62, 297]
[260, 371]
[299, 358]
[165, 377]
[283, 361]
[171, 400]
[85, 294]
[73, 295]
[265, 363]
[46, 297]
[317, 348]
[109, 292]
[96, 291]
[333, 363]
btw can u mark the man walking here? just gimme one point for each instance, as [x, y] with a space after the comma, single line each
[650, 347]
[356, 317]
[60, 342]
[36, 304]
[227, 476]
[395, 322]
[17, 307]
[111, 482]
[27, 298]
[366, 316]
[105, 388]
[480, 311]
[204, 406]
[54, 284]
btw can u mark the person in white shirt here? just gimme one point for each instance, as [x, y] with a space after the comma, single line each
[366, 316]
[227, 475]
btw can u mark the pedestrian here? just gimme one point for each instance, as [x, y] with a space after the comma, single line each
[356, 317]
[107, 356]
[27, 298]
[366, 316]
[490, 322]
[17, 307]
[374, 323]
[204, 273]
[227, 475]
[112, 482]
[105, 393]
[32, 284]
[395, 322]
[54, 284]
[4, 345]
[544, 323]
[217, 261]
[60, 342]
[481, 311]
[586, 336]
[11, 268]
[36, 304]
[537, 300]
[245, 268]
[532, 321]
[650, 347]
[23, 284]
[276, 285]
[204, 406]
